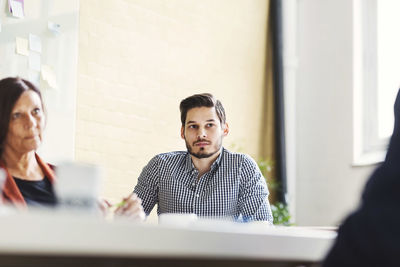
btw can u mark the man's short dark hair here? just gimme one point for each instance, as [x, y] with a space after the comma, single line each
[202, 100]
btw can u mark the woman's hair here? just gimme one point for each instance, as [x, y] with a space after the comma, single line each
[202, 100]
[10, 91]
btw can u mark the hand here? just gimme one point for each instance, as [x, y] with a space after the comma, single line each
[131, 207]
[104, 206]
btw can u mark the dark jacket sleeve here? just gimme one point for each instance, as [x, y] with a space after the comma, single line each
[370, 236]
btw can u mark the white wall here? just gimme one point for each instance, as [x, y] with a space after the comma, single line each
[139, 59]
[327, 185]
[60, 53]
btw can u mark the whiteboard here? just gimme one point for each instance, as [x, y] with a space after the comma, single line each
[59, 53]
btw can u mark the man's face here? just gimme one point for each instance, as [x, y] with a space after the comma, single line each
[203, 132]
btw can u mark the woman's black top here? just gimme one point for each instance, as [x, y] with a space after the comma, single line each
[37, 193]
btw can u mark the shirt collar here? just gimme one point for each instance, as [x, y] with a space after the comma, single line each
[217, 162]
[190, 166]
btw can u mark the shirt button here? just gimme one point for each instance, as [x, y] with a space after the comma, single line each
[194, 184]
[197, 195]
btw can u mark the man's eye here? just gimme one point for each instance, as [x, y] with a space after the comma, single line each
[192, 126]
[36, 111]
[210, 125]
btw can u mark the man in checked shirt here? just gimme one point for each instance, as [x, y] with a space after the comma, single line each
[207, 179]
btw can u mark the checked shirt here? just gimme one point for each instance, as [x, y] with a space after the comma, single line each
[234, 188]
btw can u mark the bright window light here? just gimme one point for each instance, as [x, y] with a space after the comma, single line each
[388, 44]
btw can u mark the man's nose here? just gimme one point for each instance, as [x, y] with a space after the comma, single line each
[202, 133]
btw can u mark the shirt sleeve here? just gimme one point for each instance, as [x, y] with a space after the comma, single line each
[147, 185]
[253, 195]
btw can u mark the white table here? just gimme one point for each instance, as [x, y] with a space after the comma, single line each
[54, 238]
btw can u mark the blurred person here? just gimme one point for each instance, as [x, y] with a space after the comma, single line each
[207, 179]
[370, 236]
[29, 180]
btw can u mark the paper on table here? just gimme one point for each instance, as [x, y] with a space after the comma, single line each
[49, 76]
[34, 61]
[21, 45]
[35, 44]
[17, 8]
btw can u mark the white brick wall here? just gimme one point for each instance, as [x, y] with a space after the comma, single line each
[138, 59]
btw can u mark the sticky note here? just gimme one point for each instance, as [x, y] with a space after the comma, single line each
[49, 76]
[17, 8]
[35, 44]
[34, 77]
[21, 46]
[34, 61]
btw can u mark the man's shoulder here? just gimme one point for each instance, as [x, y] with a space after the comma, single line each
[237, 157]
[171, 156]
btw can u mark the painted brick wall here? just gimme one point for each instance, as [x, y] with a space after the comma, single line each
[138, 59]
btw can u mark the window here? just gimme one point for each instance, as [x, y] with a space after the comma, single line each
[376, 76]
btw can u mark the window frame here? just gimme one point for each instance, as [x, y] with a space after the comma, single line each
[369, 148]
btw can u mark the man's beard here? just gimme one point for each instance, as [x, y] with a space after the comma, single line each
[203, 155]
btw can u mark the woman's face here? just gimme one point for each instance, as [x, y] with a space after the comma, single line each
[26, 124]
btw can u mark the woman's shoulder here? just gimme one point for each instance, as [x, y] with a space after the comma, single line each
[52, 166]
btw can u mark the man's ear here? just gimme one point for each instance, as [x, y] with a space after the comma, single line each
[183, 132]
[225, 129]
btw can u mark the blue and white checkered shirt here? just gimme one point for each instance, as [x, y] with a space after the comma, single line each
[233, 188]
